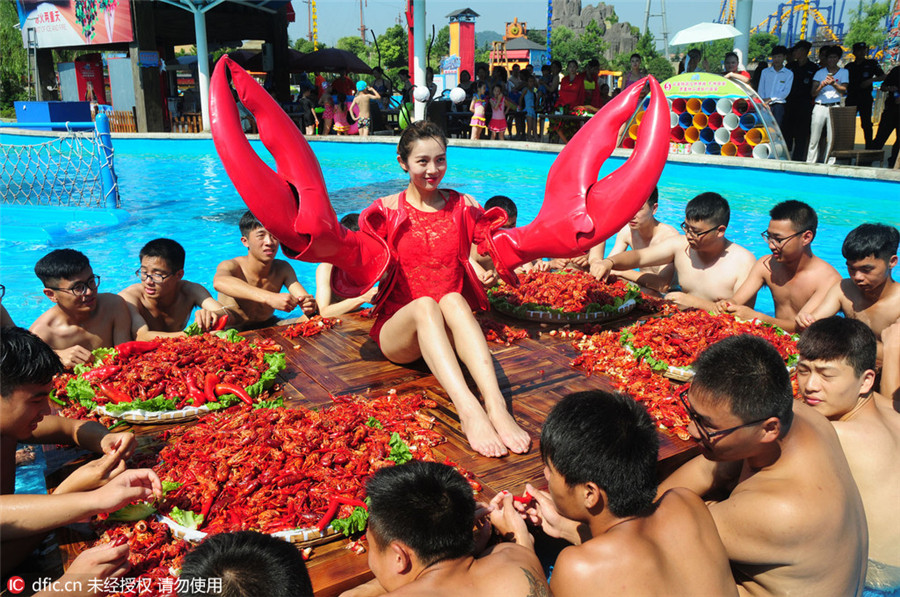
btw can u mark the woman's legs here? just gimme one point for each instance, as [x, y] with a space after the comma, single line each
[418, 329]
[468, 340]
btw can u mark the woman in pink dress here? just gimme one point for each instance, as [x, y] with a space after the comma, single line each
[499, 103]
[424, 305]
[476, 107]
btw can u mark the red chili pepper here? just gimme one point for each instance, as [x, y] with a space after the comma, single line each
[350, 501]
[194, 392]
[230, 388]
[326, 519]
[100, 373]
[207, 506]
[523, 499]
[113, 394]
[136, 347]
[220, 323]
[209, 386]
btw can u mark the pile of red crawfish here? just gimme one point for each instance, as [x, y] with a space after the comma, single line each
[313, 326]
[500, 333]
[567, 291]
[278, 469]
[678, 339]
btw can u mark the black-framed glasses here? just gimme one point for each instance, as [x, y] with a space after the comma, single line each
[706, 433]
[81, 288]
[2, 291]
[157, 278]
[778, 242]
[690, 231]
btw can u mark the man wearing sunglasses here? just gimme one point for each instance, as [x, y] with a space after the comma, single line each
[774, 474]
[797, 279]
[709, 266]
[81, 318]
[836, 375]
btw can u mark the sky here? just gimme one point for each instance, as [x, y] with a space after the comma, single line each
[340, 18]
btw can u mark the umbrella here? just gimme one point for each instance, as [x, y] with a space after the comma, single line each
[703, 32]
[251, 60]
[332, 60]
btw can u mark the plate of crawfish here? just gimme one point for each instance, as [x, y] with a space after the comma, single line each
[172, 379]
[670, 344]
[564, 297]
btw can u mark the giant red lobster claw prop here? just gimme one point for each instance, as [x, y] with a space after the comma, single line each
[578, 211]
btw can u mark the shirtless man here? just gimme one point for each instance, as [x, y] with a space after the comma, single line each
[329, 303]
[790, 515]
[363, 96]
[420, 536]
[870, 294]
[27, 368]
[643, 231]
[600, 455]
[890, 368]
[709, 266]
[797, 279]
[250, 286]
[162, 302]
[82, 319]
[5, 318]
[836, 375]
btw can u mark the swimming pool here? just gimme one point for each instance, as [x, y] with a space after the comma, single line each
[179, 189]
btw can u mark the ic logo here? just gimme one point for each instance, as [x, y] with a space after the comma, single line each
[15, 584]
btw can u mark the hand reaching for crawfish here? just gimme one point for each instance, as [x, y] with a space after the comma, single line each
[133, 484]
[98, 562]
[542, 512]
[94, 474]
[307, 303]
[122, 442]
[508, 521]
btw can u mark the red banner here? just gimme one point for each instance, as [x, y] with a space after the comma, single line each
[72, 23]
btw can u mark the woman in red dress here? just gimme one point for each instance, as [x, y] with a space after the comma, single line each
[424, 307]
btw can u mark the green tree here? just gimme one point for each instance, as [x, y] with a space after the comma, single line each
[563, 45]
[592, 45]
[653, 62]
[867, 25]
[761, 45]
[13, 62]
[394, 44]
[306, 46]
[440, 48]
[355, 45]
[538, 36]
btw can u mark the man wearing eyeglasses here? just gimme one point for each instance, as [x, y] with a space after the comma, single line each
[162, 302]
[797, 279]
[709, 266]
[81, 319]
[774, 474]
[836, 376]
[5, 318]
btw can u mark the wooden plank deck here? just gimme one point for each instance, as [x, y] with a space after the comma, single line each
[534, 374]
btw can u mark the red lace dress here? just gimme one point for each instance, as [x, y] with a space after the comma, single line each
[428, 259]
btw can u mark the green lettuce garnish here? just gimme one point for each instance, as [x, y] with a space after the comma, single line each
[277, 364]
[276, 403]
[374, 423]
[355, 523]
[99, 355]
[80, 390]
[193, 329]
[231, 335]
[224, 401]
[132, 512]
[168, 486]
[186, 518]
[153, 404]
[400, 453]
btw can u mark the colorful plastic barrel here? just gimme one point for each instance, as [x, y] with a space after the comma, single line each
[757, 135]
[685, 119]
[628, 143]
[713, 149]
[729, 149]
[677, 134]
[707, 135]
[632, 131]
[740, 106]
[761, 151]
[722, 136]
[673, 119]
[748, 121]
[679, 105]
[708, 106]
[698, 148]
[723, 106]
[639, 117]
[694, 105]
[645, 103]
[745, 150]
[691, 134]
[731, 122]
[737, 136]
[714, 121]
[699, 120]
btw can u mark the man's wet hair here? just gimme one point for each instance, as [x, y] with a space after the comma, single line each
[427, 506]
[871, 239]
[423, 129]
[25, 359]
[837, 339]
[709, 207]
[249, 223]
[653, 199]
[607, 439]
[61, 264]
[746, 374]
[249, 564]
[802, 216]
[166, 249]
[351, 221]
[504, 203]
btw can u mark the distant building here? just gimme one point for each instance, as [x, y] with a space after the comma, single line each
[521, 51]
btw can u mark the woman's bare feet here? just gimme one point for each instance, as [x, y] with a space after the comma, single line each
[514, 437]
[481, 434]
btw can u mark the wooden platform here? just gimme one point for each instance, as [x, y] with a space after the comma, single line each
[534, 374]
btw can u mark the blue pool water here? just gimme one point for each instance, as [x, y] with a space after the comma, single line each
[178, 189]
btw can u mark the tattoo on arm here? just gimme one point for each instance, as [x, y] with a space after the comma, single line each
[537, 587]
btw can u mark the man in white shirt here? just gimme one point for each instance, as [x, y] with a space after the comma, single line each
[775, 84]
[829, 86]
